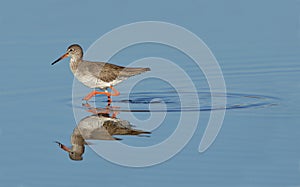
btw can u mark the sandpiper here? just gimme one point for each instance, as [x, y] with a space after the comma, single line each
[100, 75]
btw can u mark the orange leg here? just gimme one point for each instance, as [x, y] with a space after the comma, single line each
[115, 92]
[115, 113]
[93, 110]
[107, 110]
[93, 93]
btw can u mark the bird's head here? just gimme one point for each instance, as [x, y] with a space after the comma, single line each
[72, 153]
[74, 51]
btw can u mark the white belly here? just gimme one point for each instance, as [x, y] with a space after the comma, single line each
[93, 82]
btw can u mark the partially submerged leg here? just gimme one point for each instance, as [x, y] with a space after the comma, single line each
[109, 100]
[113, 93]
[93, 93]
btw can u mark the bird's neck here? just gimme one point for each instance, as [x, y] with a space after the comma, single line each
[74, 63]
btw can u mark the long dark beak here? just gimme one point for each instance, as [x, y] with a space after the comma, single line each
[60, 58]
[62, 146]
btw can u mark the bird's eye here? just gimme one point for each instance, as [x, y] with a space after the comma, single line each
[72, 153]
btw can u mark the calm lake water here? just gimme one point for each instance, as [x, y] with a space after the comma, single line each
[256, 44]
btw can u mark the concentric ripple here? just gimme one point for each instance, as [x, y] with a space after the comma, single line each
[140, 101]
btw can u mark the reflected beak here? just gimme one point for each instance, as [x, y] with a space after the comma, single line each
[60, 58]
[62, 146]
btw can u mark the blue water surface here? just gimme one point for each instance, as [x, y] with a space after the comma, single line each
[255, 42]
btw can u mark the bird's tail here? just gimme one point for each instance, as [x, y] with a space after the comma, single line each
[133, 71]
[138, 132]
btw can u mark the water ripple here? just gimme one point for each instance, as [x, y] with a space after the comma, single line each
[140, 101]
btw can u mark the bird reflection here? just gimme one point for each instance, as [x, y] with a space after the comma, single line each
[102, 125]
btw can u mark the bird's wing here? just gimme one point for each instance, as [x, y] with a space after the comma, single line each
[91, 128]
[104, 71]
[99, 134]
